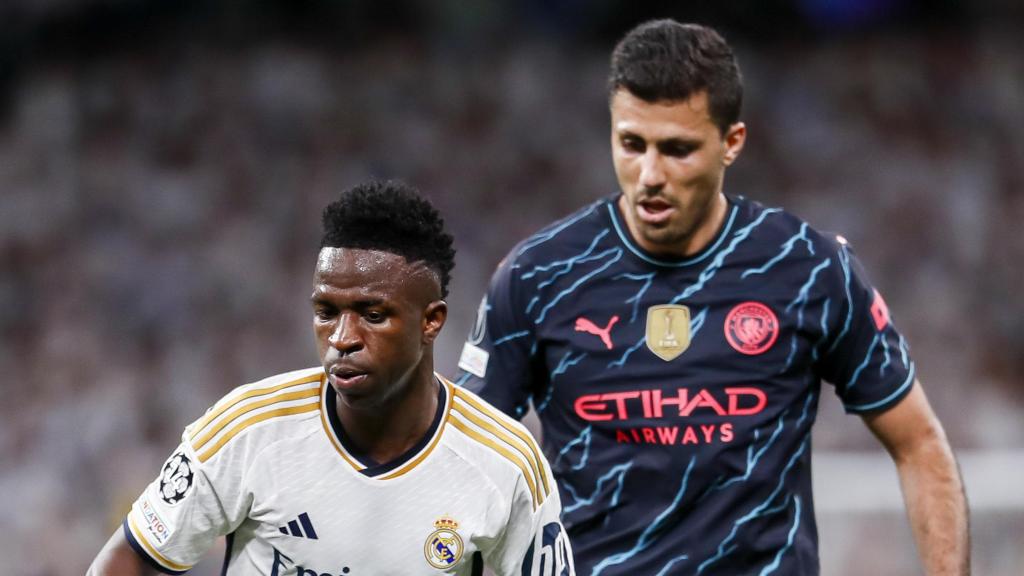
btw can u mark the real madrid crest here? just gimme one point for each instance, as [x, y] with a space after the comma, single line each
[444, 545]
[668, 330]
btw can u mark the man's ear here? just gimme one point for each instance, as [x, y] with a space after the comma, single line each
[735, 137]
[434, 316]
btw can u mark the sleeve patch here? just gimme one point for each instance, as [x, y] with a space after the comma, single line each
[474, 360]
[156, 527]
[880, 312]
[176, 478]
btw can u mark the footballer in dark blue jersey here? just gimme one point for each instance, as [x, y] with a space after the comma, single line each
[673, 342]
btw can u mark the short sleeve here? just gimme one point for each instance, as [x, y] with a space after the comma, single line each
[865, 356]
[179, 515]
[499, 358]
[535, 542]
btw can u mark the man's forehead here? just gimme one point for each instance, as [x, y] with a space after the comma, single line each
[630, 111]
[361, 259]
[370, 266]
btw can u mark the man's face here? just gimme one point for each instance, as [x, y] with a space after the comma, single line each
[670, 159]
[375, 317]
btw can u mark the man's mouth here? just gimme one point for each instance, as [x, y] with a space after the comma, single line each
[342, 378]
[654, 210]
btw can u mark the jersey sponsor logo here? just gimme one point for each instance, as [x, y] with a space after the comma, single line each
[155, 524]
[668, 330]
[301, 527]
[879, 312]
[284, 565]
[176, 478]
[670, 435]
[751, 328]
[443, 547]
[605, 334]
[550, 553]
[647, 405]
[652, 404]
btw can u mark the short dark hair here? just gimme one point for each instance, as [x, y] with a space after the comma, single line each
[663, 60]
[390, 216]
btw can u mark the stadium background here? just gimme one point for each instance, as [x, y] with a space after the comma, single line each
[162, 167]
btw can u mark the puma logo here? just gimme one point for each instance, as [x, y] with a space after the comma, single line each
[584, 325]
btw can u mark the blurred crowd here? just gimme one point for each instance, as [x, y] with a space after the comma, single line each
[159, 218]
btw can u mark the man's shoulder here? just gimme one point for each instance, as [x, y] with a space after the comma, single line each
[763, 220]
[565, 235]
[257, 412]
[496, 445]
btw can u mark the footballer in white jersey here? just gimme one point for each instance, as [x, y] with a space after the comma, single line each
[270, 467]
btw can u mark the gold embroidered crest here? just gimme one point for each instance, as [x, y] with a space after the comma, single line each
[444, 546]
[668, 330]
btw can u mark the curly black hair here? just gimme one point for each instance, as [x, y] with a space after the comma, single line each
[390, 216]
[664, 60]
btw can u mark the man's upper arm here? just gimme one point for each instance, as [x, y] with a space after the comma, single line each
[907, 426]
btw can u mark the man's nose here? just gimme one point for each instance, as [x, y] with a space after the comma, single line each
[652, 173]
[346, 336]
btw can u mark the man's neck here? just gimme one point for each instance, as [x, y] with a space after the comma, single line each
[387, 431]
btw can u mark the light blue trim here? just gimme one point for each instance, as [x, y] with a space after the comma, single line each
[628, 241]
[887, 399]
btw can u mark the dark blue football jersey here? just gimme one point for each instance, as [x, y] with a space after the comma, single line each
[677, 397]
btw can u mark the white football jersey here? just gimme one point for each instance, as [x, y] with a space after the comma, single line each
[270, 467]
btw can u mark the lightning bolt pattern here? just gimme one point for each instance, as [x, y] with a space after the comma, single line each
[649, 535]
[618, 472]
[708, 273]
[510, 337]
[752, 456]
[625, 355]
[698, 321]
[668, 565]
[583, 438]
[787, 247]
[816, 351]
[614, 255]
[546, 235]
[724, 548]
[864, 363]
[789, 540]
[844, 261]
[564, 364]
[648, 279]
[803, 296]
[565, 266]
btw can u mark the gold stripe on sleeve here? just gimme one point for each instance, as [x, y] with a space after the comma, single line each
[301, 408]
[525, 437]
[500, 450]
[213, 414]
[497, 432]
[151, 550]
[198, 443]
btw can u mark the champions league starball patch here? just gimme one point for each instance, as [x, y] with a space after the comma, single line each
[176, 478]
[751, 328]
[444, 546]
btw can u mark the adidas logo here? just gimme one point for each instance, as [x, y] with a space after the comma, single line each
[300, 527]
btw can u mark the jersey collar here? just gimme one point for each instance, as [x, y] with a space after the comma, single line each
[359, 460]
[612, 206]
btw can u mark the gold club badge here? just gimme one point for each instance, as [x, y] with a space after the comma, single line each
[443, 547]
[668, 330]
